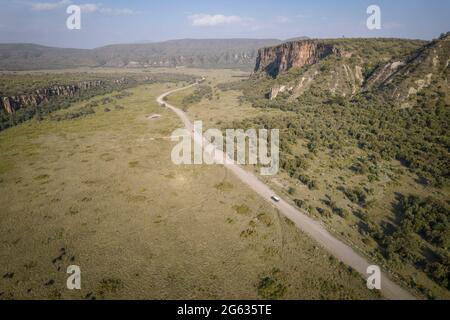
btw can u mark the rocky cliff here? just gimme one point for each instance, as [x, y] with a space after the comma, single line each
[401, 70]
[296, 54]
[11, 104]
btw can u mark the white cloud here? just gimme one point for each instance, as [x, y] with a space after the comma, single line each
[207, 20]
[117, 11]
[85, 8]
[89, 7]
[99, 8]
[282, 19]
[46, 6]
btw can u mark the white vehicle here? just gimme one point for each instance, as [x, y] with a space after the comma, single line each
[275, 198]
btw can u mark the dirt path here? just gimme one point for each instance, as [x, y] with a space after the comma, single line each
[337, 248]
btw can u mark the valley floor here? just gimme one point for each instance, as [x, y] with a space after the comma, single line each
[332, 174]
[101, 192]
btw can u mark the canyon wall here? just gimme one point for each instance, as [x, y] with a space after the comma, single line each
[13, 103]
[278, 59]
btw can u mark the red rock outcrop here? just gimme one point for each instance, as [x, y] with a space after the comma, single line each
[274, 60]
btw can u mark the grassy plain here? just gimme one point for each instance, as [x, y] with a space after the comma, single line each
[332, 173]
[101, 192]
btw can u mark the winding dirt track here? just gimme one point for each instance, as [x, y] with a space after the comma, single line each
[334, 246]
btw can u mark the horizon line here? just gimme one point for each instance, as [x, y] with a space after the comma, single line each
[147, 42]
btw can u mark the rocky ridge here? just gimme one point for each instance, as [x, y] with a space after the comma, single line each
[296, 54]
[399, 70]
[11, 104]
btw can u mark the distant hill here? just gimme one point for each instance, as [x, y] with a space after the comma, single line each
[204, 53]
[33, 57]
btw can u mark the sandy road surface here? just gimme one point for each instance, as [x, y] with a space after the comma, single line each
[334, 246]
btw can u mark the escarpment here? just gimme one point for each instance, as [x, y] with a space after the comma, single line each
[278, 59]
[10, 104]
[401, 71]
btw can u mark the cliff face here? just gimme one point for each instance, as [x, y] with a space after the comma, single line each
[13, 103]
[404, 72]
[278, 59]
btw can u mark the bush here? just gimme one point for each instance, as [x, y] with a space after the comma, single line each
[82, 112]
[311, 184]
[200, 93]
[356, 195]
[420, 220]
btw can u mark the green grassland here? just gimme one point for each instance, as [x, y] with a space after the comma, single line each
[96, 188]
[354, 166]
[16, 84]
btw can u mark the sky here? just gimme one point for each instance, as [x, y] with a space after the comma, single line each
[119, 21]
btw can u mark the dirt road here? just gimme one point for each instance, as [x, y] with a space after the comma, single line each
[334, 246]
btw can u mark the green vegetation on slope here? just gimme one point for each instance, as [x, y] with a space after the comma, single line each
[376, 172]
